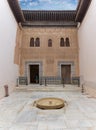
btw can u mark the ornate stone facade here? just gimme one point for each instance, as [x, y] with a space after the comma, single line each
[50, 57]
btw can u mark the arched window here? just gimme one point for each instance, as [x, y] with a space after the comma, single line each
[32, 42]
[67, 42]
[49, 43]
[62, 42]
[37, 42]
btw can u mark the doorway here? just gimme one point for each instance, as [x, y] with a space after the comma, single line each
[66, 74]
[34, 74]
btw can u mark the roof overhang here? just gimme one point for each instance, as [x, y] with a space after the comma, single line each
[14, 5]
[49, 18]
[82, 9]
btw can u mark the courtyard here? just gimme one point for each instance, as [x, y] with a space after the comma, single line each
[18, 111]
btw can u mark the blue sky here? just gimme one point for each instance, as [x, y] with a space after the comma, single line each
[48, 4]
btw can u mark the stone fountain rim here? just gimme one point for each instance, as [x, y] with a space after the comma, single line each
[60, 105]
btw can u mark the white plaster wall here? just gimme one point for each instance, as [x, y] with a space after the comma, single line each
[8, 28]
[87, 45]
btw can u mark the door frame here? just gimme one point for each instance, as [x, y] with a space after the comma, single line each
[30, 72]
[60, 63]
[27, 69]
[70, 70]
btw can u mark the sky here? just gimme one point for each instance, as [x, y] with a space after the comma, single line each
[48, 4]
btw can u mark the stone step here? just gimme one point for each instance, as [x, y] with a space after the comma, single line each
[50, 88]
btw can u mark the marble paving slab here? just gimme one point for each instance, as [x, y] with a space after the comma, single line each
[18, 112]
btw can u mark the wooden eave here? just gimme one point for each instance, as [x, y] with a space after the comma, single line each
[82, 9]
[14, 5]
[49, 15]
[49, 24]
[30, 17]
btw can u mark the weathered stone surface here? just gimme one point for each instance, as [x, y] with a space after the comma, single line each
[49, 56]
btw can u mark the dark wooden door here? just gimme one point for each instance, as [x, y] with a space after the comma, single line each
[66, 74]
[34, 74]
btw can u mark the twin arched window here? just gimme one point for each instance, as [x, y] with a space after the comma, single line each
[65, 43]
[34, 43]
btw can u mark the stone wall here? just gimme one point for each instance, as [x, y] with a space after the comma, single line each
[8, 29]
[49, 56]
[87, 49]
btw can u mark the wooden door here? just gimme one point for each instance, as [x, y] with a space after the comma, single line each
[66, 74]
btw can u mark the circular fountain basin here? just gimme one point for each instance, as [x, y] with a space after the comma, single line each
[50, 103]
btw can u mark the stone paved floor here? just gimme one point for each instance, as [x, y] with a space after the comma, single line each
[17, 112]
